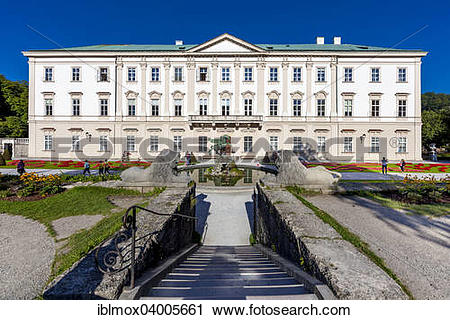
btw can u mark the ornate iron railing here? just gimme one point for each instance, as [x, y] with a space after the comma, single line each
[113, 260]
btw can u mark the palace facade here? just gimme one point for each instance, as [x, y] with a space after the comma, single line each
[335, 101]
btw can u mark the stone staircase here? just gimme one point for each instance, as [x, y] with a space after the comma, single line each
[228, 272]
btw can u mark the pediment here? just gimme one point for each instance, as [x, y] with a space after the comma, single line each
[226, 43]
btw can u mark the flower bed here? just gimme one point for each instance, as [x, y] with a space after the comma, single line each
[74, 164]
[370, 167]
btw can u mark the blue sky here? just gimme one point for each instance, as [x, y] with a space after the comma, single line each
[378, 23]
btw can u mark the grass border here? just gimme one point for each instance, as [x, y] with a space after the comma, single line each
[349, 236]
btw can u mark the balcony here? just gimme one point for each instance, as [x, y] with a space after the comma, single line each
[234, 121]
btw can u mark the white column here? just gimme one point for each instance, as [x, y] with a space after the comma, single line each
[31, 107]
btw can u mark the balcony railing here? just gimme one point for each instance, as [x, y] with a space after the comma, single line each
[225, 119]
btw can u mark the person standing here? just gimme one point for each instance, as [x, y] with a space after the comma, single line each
[21, 167]
[188, 158]
[87, 168]
[402, 165]
[384, 163]
[106, 167]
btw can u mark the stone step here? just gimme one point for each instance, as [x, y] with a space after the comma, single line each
[225, 265]
[212, 275]
[308, 296]
[229, 291]
[230, 269]
[226, 282]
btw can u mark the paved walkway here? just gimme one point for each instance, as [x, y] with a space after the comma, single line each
[416, 248]
[225, 216]
[26, 257]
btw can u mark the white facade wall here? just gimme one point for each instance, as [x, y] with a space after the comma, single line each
[118, 125]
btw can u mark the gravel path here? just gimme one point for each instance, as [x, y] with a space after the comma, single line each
[416, 248]
[67, 226]
[224, 216]
[26, 256]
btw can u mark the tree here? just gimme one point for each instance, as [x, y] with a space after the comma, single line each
[13, 108]
[433, 126]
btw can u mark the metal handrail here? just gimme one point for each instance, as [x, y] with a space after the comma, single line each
[114, 259]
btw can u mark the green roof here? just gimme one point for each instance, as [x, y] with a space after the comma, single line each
[268, 47]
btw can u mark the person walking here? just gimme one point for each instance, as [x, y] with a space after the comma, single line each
[20, 167]
[100, 168]
[106, 167]
[402, 165]
[384, 168]
[87, 168]
[188, 158]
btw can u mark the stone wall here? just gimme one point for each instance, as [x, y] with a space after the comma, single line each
[284, 224]
[157, 238]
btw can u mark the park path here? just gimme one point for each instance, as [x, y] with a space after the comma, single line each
[225, 216]
[26, 257]
[416, 248]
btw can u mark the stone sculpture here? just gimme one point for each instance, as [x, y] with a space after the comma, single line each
[162, 170]
[292, 172]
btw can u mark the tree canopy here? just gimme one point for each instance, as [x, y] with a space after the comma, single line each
[435, 118]
[13, 108]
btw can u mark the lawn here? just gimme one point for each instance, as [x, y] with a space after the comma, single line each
[376, 167]
[73, 202]
[435, 209]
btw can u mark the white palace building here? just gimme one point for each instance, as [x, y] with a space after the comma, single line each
[335, 101]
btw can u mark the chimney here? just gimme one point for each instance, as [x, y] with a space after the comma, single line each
[320, 40]
[337, 40]
[178, 42]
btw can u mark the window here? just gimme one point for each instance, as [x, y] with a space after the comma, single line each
[401, 73]
[402, 107]
[75, 107]
[154, 142]
[155, 107]
[155, 74]
[401, 145]
[297, 74]
[321, 107]
[203, 74]
[202, 144]
[375, 144]
[178, 76]
[203, 102]
[75, 143]
[131, 107]
[103, 74]
[248, 74]
[348, 107]
[273, 107]
[103, 143]
[103, 107]
[375, 108]
[273, 74]
[375, 74]
[320, 144]
[178, 103]
[131, 143]
[348, 144]
[348, 74]
[226, 74]
[48, 142]
[273, 143]
[48, 74]
[177, 143]
[297, 107]
[48, 107]
[248, 107]
[297, 144]
[320, 75]
[248, 144]
[76, 74]
[226, 107]
[132, 74]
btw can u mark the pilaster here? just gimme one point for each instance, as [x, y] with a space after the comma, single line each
[143, 65]
[285, 104]
[190, 87]
[214, 68]
[260, 67]
[334, 83]
[166, 65]
[309, 95]
[119, 88]
[237, 87]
